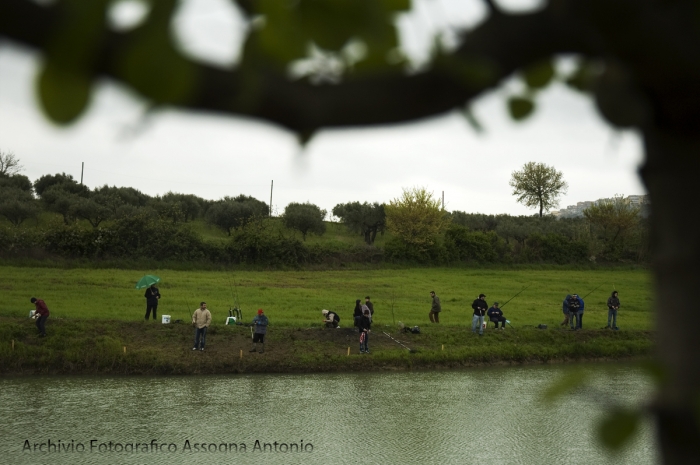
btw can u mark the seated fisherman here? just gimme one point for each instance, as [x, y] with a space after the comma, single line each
[496, 314]
[331, 319]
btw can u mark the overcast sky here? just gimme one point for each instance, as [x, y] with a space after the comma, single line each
[215, 156]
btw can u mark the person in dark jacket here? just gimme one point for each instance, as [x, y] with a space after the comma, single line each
[435, 308]
[576, 311]
[479, 305]
[613, 305]
[364, 325]
[496, 314]
[330, 319]
[565, 309]
[357, 313]
[41, 315]
[152, 296]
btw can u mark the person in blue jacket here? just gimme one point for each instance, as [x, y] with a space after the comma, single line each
[576, 306]
[260, 322]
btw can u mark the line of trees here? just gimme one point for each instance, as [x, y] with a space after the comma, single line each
[420, 230]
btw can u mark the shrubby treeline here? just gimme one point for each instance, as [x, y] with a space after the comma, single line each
[123, 223]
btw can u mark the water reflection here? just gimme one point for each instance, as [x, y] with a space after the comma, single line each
[490, 416]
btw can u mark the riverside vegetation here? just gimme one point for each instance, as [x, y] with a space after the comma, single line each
[96, 323]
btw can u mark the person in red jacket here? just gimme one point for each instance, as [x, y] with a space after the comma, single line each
[41, 315]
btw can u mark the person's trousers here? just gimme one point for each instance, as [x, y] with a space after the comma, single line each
[200, 333]
[612, 314]
[364, 341]
[573, 319]
[41, 324]
[566, 320]
[502, 319]
[151, 306]
[478, 319]
[434, 316]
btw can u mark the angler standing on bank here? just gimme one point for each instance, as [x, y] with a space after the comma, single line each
[479, 305]
[260, 322]
[435, 308]
[201, 319]
[613, 306]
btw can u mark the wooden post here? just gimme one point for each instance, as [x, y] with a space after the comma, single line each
[241, 354]
[13, 344]
[124, 349]
[443, 347]
[348, 350]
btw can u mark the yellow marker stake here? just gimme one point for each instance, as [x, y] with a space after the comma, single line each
[443, 347]
[241, 353]
[13, 344]
[348, 350]
[124, 349]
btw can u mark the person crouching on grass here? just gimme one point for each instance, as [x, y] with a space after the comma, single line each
[331, 319]
[260, 323]
[201, 319]
[41, 315]
[364, 325]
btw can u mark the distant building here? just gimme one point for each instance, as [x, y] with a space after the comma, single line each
[576, 211]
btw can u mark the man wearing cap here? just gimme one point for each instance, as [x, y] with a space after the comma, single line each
[496, 314]
[152, 296]
[201, 319]
[435, 308]
[479, 305]
[260, 322]
[41, 315]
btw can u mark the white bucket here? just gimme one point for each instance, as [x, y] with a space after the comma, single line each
[31, 313]
[165, 319]
[231, 320]
[483, 325]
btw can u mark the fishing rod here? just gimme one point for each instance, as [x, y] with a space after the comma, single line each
[236, 310]
[399, 343]
[516, 295]
[582, 298]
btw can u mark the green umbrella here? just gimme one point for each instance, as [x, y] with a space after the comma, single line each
[147, 281]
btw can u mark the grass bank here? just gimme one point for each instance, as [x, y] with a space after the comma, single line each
[77, 346]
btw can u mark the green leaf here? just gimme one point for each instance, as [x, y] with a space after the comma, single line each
[63, 93]
[583, 78]
[472, 120]
[539, 75]
[520, 107]
[565, 385]
[618, 427]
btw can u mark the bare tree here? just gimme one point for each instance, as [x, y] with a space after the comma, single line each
[9, 164]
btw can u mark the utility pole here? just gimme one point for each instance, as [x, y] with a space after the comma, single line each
[272, 183]
[82, 169]
[443, 200]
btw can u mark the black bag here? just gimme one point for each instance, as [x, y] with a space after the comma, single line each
[415, 330]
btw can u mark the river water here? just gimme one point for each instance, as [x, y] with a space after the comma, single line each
[484, 416]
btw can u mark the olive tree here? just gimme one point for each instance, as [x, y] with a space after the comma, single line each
[538, 186]
[367, 219]
[305, 218]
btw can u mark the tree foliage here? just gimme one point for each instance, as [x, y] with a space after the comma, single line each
[538, 186]
[17, 205]
[233, 213]
[305, 218]
[613, 219]
[367, 219]
[416, 218]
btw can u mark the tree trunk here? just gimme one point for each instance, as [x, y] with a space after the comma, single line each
[670, 174]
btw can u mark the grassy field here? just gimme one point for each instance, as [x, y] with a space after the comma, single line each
[296, 298]
[97, 326]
